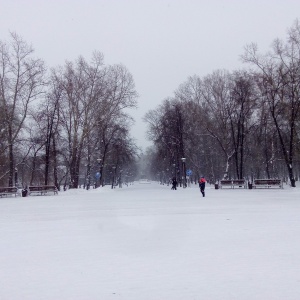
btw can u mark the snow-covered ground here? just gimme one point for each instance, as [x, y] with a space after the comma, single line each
[147, 242]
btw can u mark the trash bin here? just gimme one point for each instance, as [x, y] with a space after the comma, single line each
[250, 185]
[24, 193]
[216, 186]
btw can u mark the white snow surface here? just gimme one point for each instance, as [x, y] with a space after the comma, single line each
[148, 242]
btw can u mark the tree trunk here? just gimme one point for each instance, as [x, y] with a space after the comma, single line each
[47, 161]
[55, 176]
[11, 166]
[288, 158]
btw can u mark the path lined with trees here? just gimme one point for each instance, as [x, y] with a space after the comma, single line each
[69, 125]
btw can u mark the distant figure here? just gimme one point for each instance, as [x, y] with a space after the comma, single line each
[25, 191]
[202, 185]
[174, 184]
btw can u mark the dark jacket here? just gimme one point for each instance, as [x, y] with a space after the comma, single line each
[202, 183]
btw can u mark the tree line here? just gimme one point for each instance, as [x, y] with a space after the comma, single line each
[67, 125]
[235, 125]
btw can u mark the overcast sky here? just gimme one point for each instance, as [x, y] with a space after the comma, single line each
[161, 42]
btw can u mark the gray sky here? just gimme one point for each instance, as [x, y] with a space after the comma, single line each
[161, 42]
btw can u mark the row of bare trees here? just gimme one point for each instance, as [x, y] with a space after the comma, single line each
[240, 124]
[64, 125]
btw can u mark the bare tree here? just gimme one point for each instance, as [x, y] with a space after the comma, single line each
[46, 120]
[21, 82]
[216, 93]
[279, 82]
[242, 122]
[93, 99]
[80, 84]
[202, 152]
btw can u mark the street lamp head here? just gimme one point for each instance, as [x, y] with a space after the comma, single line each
[183, 159]
[99, 160]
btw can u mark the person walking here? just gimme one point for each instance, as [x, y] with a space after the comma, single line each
[174, 184]
[202, 185]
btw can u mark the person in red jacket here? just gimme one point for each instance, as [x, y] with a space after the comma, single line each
[202, 185]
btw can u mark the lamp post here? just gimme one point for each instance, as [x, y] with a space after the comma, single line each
[184, 171]
[99, 171]
[174, 165]
[113, 177]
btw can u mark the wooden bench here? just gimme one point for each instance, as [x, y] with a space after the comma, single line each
[267, 183]
[42, 189]
[240, 183]
[5, 191]
[225, 183]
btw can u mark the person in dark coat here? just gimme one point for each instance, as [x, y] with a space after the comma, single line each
[202, 185]
[174, 184]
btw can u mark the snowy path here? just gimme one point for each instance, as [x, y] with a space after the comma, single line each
[146, 242]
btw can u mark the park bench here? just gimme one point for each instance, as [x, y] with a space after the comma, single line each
[240, 183]
[225, 183]
[42, 189]
[5, 191]
[267, 183]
